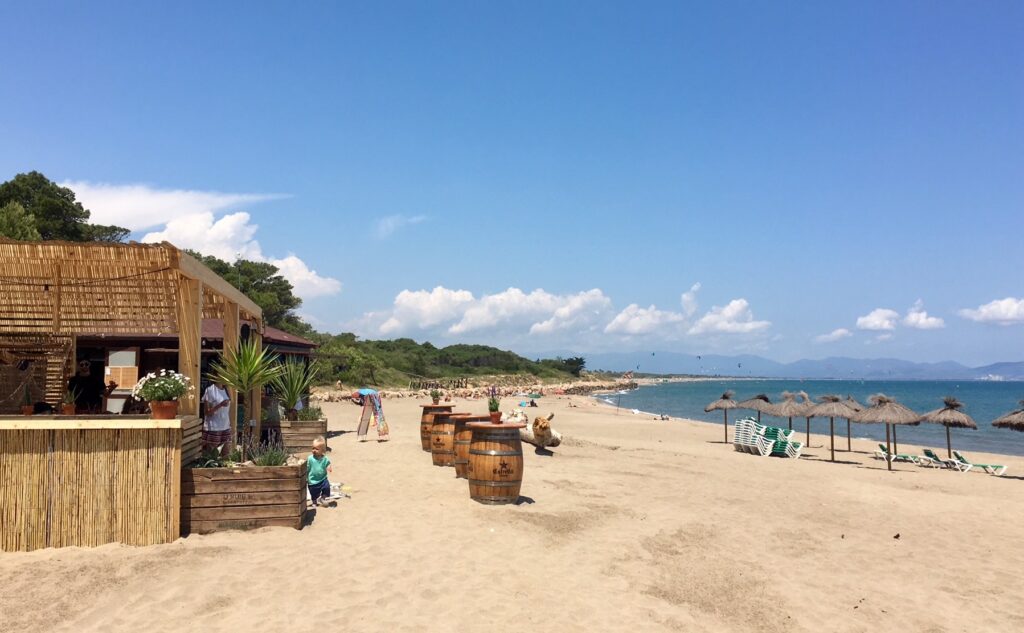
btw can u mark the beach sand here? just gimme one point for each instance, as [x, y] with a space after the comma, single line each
[633, 524]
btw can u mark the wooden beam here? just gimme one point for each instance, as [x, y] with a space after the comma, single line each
[230, 344]
[194, 269]
[85, 423]
[190, 318]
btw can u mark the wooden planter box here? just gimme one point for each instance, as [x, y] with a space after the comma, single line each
[242, 498]
[298, 436]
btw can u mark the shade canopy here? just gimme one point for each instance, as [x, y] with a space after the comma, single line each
[788, 408]
[885, 410]
[829, 407]
[760, 402]
[725, 402]
[1013, 420]
[853, 404]
[950, 415]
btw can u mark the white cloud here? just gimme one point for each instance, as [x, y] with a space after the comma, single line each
[576, 310]
[919, 319]
[733, 318]
[833, 336]
[689, 300]
[878, 319]
[388, 225]
[884, 337]
[1006, 311]
[634, 320]
[306, 282]
[139, 207]
[422, 309]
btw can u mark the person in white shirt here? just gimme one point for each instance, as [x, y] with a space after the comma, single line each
[217, 421]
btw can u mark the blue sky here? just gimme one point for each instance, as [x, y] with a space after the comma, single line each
[838, 178]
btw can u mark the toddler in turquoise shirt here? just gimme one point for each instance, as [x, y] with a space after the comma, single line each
[317, 466]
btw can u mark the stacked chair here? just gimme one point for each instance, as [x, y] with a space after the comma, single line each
[758, 439]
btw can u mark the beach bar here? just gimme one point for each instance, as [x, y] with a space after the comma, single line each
[92, 479]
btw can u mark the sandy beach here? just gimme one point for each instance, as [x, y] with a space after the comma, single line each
[633, 524]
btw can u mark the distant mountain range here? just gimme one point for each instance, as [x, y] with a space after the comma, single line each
[835, 367]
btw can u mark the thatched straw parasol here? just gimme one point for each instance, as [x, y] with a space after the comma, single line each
[724, 403]
[807, 412]
[788, 408]
[885, 410]
[758, 403]
[950, 416]
[831, 407]
[1013, 420]
[854, 406]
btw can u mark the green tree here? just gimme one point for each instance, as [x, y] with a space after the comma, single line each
[261, 282]
[16, 223]
[57, 215]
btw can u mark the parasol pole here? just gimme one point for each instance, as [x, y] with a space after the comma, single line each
[832, 435]
[888, 449]
[725, 422]
[849, 448]
[949, 446]
[790, 423]
[808, 432]
[895, 446]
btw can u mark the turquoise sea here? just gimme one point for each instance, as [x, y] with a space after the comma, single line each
[984, 401]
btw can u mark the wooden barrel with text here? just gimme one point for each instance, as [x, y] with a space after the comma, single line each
[427, 421]
[442, 440]
[495, 469]
[463, 438]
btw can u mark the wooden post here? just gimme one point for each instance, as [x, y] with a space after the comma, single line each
[255, 408]
[190, 320]
[888, 449]
[725, 421]
[949, 445]
[849, 446]
[230, 344]
[895, 446]
[808, 442]
[832, 436]
[790, 423]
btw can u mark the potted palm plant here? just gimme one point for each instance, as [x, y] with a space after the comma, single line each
[435, 396]
[292, 383]
[245, 369]
[67, 406]
[162, 390]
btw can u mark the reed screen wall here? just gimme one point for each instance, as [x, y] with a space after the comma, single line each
[89, 482]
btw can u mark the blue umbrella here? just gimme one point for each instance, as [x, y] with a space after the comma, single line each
[366, 392]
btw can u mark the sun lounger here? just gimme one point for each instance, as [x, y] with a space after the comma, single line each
[992, 469]
[931, 459]
[882, 453]
[785, 448]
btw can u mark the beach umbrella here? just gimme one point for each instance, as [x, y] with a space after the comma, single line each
[724, 403]
[854, 406]
[1013, 420]
[950, 416]
[788, 408]
[807, 408]
[831, 407]
[758, 403]
[885, 410]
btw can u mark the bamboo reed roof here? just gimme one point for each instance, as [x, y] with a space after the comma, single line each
[788, 408]
[725, 402]
[950, 415]
[760, 402]
[830, 407]
[885, 410]
[1012, 420]
[66, 288]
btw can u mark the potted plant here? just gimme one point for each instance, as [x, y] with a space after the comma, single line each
[292, 383]
[494, 407]
[435, 396]
[67, 406]
[245, 369]
[162, 390]
[27, 408]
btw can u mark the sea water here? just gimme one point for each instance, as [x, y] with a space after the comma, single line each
[983, 401]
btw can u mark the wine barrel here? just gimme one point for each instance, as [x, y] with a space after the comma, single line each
[427, 421]
[463, 438]
[442, 440]
[495, 469]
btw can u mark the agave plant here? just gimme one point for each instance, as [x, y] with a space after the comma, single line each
[293, 381]
[245, 369]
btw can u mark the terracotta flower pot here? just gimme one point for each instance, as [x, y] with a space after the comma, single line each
[164, 409]
[67, 409]
[27, 409]
[495, 417]
[436, 401]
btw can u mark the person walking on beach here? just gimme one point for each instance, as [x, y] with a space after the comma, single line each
[318, 464]
[217, 421]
